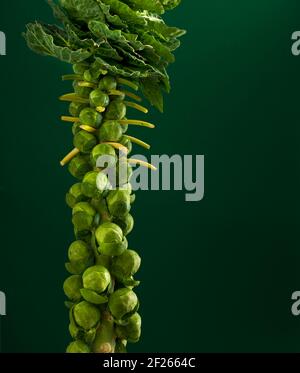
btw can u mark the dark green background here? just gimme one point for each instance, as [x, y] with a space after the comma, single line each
[217, 275]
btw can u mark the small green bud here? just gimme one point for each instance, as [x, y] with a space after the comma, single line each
[78, 347]
[83, 216]
[84, 207]
[90, 117]
[81, 91]
[75, 195]
[89, 187]
[111, 240]
[104, 150]
[123, 172]
[126, 265]
[118, 202]
[84, 141]
[110, 130]
[72, 286]
[79, 166]
[99, 98]
[122, 302]
[75, 108]
[125, 222]
[107, 83]
[102, 182]
[127, 143]
[76, 128]
[78, 252]
[132, 330]
[91, 75]
[86, 315]
[79, 68]
[96, 278]
[116, 110]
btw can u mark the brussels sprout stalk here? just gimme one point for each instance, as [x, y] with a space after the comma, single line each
[110, 44]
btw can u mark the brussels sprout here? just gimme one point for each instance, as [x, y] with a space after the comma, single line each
[81, 91]
[83, 216]
[84, 141]
[102, 182]
[89, 186]
[72, 287]
[99, 98]
[92, 297]
[127, 143]
[75, 108]
[79, 251]
[123, 172]
[122, 302]
[84, 207]
[132, 330]
[125, 222]
[116, 110]
[82, 235]
[126, 265]
[76, 128]
[96, 278]
[75, 195]
[78, 347]
[79, 68]
[107, 83]
[91, 75]
[111, 239]
[86, 315]
[90, 117]
[110, 130]
[101, 150]
[80, 257]
[118, 202]
[79, 166]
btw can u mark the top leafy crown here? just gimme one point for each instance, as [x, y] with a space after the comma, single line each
[125, 37]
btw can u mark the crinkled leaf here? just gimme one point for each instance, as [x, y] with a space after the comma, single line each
[117, 69]
[154, 6]
[125, 12]
[160, 49]
[43, 43]
[114, 20]
[82, 10]
[152, 91]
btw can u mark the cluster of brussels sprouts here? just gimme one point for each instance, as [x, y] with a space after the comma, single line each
[102, 304]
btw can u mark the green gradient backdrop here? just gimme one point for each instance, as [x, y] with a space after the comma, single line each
[217, 275]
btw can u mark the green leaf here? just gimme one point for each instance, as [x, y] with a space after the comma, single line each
[152, 91]
[125, 12]
[170, 4]
[43, 43]
[114, 20]
[82, 10]
[153, 6]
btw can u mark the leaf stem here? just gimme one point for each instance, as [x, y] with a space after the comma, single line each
[132, 95]
[69, 156]
[137, 141]
[142, 163]
[87, 84]
[87, 128]
[136, 106]
[71, 77]
[73, 97]
[128, 83]
[137, 123]
[65, 118]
